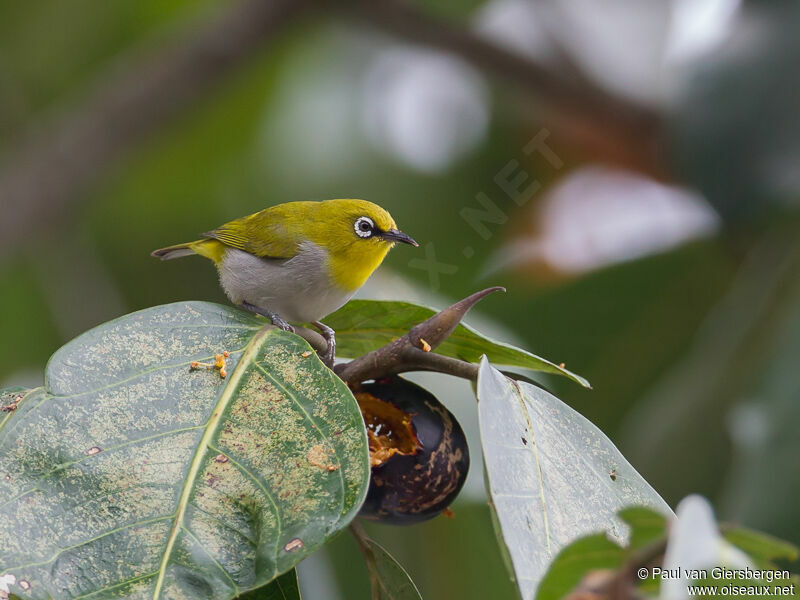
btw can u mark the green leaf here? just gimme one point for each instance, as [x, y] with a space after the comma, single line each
[761, 547]
[284, 587]
[132, 474]
[647, 525]
[576, 560]
[364, 325]
[596, 552]
[390, 579]
[549, 473]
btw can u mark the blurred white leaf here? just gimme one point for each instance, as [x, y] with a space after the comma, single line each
[696, 543]
[598, 217]
[699, 26]
[426, 109]
[636, 48]
[517, 25]
[618, 42]
[311, 113]
[317, 576]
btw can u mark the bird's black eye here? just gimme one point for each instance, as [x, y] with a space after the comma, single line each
[364, 227]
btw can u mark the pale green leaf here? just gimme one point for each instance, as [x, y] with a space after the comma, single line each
[552, 475]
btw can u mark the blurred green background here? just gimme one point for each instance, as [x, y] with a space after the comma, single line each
[679, 304]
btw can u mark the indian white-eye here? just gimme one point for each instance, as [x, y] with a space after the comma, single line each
[298, 261]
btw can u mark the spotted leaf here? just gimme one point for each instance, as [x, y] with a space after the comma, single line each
[139, 471]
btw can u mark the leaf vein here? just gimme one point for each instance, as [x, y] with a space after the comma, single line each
[61, 551]
[319, 431]
[214, 560]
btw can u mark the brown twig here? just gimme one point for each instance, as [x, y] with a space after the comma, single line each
[362, 539]
[407, 354]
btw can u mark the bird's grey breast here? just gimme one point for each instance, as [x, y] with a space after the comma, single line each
[299, 289]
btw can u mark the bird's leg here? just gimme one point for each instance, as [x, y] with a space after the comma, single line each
[330, 337]
[276, 319]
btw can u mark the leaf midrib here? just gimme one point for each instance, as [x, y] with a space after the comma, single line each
[216, 417]
[534, 447]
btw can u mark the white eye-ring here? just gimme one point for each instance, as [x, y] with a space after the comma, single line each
[364, 227]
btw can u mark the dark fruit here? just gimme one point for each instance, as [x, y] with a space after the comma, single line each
[417, 449]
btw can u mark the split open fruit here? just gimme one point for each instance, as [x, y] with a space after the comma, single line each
[418, 452]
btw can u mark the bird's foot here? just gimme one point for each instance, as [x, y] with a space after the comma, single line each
[276, 319]
[330, 337]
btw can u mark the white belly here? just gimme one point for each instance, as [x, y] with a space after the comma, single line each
[297, 289]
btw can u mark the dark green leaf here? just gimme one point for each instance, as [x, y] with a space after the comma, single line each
[761, 547]
[284, 587]
[130, 471]
[552, 475]
[364, 325]
[575, 561]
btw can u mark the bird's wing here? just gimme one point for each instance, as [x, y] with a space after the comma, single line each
[271, 233]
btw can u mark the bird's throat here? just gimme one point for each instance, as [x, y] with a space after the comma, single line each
[352, 268]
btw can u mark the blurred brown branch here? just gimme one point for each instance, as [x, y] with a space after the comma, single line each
[42, 181]
[53, 166]
[598, 124]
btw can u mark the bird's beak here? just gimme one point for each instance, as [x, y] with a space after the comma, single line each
[395, 235]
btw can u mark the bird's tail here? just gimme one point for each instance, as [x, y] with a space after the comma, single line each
[175, 251]
[209, 248]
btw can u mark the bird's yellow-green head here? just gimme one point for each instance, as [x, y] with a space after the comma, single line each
[357, 235]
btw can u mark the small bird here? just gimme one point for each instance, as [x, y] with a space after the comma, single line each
[298, 261]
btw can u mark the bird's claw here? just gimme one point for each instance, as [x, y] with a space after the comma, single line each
[275, 318]
[281, 324]
[330, 336]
